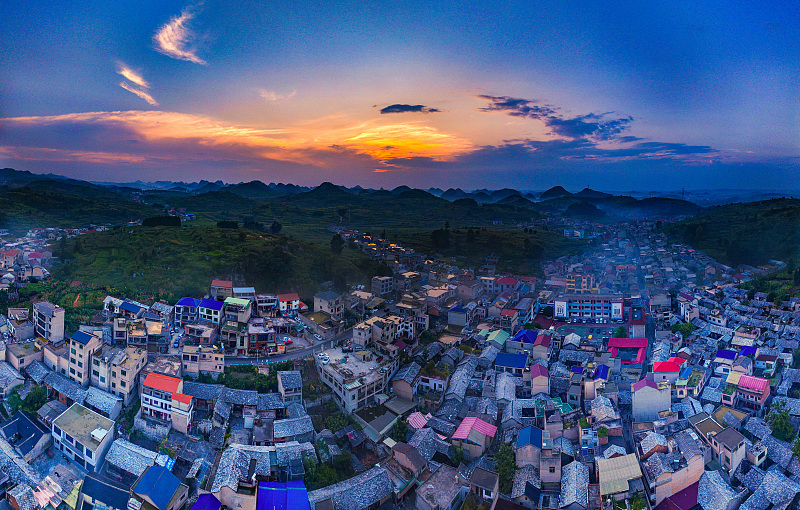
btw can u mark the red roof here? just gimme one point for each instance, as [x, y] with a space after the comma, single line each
[645, 382]
[506, 280]
[508, 312]
[678, 361]
[666, 366]
[162, 382]
[543, 340]
[472, 423]
[627, 342]
[289, 297]
[753, 383]
[222, 283]
[12, 253]
[180, 397]
[539, 370]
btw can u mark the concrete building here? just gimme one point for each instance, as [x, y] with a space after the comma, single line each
[201, 359]
[357, 378]
[82, 346]
[116, 370]
[162, 398]
[382, 285]
[330, 303]
[48, 321]
[290, 386]
[83, 436]
[649, 399]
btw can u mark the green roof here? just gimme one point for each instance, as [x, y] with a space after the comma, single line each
[500, 336]
[237, 301]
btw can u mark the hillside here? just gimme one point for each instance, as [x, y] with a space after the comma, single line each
[518, 251]
[746, 233]
[176, 261]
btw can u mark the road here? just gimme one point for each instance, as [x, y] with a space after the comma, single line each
[300, 353]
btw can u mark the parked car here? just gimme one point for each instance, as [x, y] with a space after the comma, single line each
[177, 342]
[288, 341]
[317, 336]
[322, 355]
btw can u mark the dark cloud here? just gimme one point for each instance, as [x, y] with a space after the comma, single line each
[593, 126]
[408, 108]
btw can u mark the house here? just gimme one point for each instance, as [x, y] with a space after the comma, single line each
[48, 321]
[126, 461]
[290, 386]
[667, 371]
[116, 371]
[404, 382]
[649, 399]
[49, 412]
[162, 398]
[289, 304]
[221, 289]
[669, 473]
[620, 477]
[159, 489]
[210, 310]
[186, 311]
[202, 359]
[382, 285]
[474, 436]
[20, 355]
[513, 364]
[28, 437]
[529, 446]
[330, 303]
[442, 490]
[370, 489]
[10, 378]
[299, 429]
[485, 484]
[98, 491]
[540, 379]
[83, 435]
[574, 493]
[83, 346]
[728, 446]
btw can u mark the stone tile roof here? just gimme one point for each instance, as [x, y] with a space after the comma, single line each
[524, 476]
[233, 466]
[37, 371]
[574, 485]
[23, 494]
[223, 409]
[8, 375]
[292, 450]
[652, 440]
[603, 409]
[427, 443]
[291, 427]
[202, 391]
[459, 381]
[269, 401]
[714, 493]
[776, 492]
[130, 457]
[359, 492]
[239, 397]
[408, 373]
[66, 387]
[101, 400]
[291, 379]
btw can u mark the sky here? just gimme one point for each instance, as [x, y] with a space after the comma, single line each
[527, 95]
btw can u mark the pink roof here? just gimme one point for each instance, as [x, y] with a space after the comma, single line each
[537, 370]
[753, 383]
[679, 361]
[666, 366]
[543, 340]
[644, 382]
[417, 420]
[507, 280]
[627, 342]
[472, 423]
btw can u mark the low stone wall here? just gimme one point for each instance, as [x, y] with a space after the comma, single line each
[151, 430]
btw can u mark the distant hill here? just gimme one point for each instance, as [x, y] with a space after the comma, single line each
[252, 189]
[400, 189]
[584, 210]
[555, 192]
[745, 233]
[453, 194]
[590, 193]
[500, 194]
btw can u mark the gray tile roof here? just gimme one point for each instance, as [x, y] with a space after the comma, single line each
[202, 391]
[574, 485]
[291, 379]
[269, 401]
[292, 450]
[359, 492]
[603, 409]
[130, 457]
[428, 443]
[714, 493]
[233, 466]
[757, 427]
[291, 427]
[295, 410]
[37, 371]
[66, 387]
[9, 375]
[101, 400]
[652, 440]
[505, 387]
[776, 492]
[223, 409]
[459, 381]
[239, 397]
[408, 373]
[23, 494]
[522, 477]
[482, 405]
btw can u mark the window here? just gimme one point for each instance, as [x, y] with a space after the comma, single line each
[80, 364]
[122, 383]
[552, 469]
[22, 361]
[71, 370]
[72, 351]
[57, 431]
[102, 379]
[95, 373]
[96, 362]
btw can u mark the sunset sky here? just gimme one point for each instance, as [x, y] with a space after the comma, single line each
[615, 95]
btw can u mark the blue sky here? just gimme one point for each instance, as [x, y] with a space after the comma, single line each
[640, 95]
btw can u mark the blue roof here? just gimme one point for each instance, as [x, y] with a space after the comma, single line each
[601, 372]
[130, 307]
[206, 502]
[685, 372]
[530, 435]
[82, 337]
[458, 309]
[749, 351]
[505, 359]
[722, 353]
[291, 495]
[158, 485]
[188, 301]
[577, 370]
[212, 304]
[527, 336]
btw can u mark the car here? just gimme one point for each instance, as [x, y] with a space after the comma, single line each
[326, 361]
[177, 342]
[317, 336]
[321, 355]
[288, 341]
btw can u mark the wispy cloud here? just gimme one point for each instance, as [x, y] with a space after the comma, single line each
[131, 75]
[270, 95]
[408, 108]
[177, 40]
[141, 93]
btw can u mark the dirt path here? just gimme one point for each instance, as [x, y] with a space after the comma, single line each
[75, 303]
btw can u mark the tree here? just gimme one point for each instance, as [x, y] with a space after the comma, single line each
[399, 431]
[547, 311]
[796, 358]
[506, 466]
[458, 456]
[228, 224]
[621, 332]
[162, 221]
[337, 243]
[343, 464]
[796, 448]
[684, 329]
[35, 399]
[275, 227]
[778, 420]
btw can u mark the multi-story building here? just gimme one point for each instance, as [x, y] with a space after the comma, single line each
[202, 360]
[221, 289]
[233, 329]
[186, 311]
[210, 310]
[649, 399]
[578, 283]
[201, 333]
[162, 398]
[116, 370]
[48, 321]
[382, 285]
[289, 304]
[290, 386]
[83, 436]
[358, 379]
[82, 346]
[729, 449]
[330, 303]
[262, 338]
[588, 306]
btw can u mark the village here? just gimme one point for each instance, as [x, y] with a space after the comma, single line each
[637, 375]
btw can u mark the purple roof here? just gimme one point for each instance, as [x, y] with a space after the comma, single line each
[722, 353]
[748, 351]
[577, 370]
[206, 502]
[211, 304]
[645, 382]
[188, 301]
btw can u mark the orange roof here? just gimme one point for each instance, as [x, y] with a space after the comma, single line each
[180, 397]
[221, 283]
[162, 382]
[288, 297]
